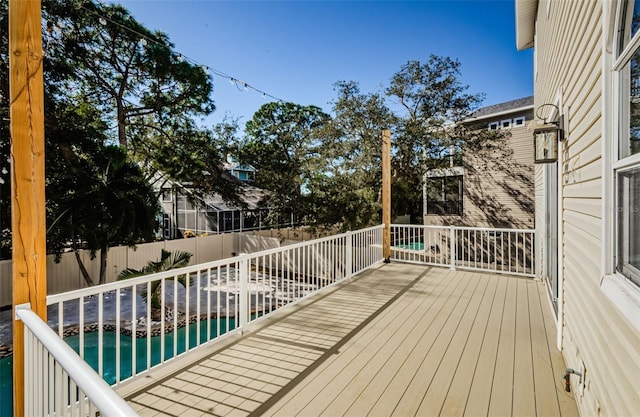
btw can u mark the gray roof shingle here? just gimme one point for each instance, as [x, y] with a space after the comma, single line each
[503, 107]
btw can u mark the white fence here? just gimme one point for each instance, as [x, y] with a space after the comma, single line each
[509, 251]
[125, 328]
[65, 275]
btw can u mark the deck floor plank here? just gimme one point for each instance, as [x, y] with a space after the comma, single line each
[566, 401]
[545, 388]
[400, 339]
[434, 400]
[400, 379]
[524, 403]
[458, 393]
[326, 380]
[501, 399]
[381, 394]
[395, 347]
[424, 376]
[482, 381]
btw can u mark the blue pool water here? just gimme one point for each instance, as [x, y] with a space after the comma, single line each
[412, 246]
[6, 385]
[109, 354]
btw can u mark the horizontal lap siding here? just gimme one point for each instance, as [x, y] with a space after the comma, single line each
[569, 54]
[494, 195]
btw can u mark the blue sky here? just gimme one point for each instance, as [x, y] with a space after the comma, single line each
[297, 50]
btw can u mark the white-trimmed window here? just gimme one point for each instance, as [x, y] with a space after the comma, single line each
[166, 195]
[518, 121]
[494, 125]
[505, 124]
[626, 152]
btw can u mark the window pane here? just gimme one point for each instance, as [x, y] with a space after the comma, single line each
[444, 195]
[628, 224]
[630, 24]
[630, 106]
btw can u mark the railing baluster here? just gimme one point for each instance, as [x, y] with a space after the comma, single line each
[60, 400]
[100, 333]
[174, 333]
[148, 337]
[117, 335]
[162, 308]
[209, 287]
[187, 314]
[134, 330]
[198, 295]
[51, 380]
[485, 249]
[81, 326]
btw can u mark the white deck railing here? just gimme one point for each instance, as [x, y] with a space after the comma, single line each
[508, 251]
[125, 328]
[57, 381]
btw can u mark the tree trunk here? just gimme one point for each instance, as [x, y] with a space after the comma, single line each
[83, 270]
[122, 131]
[103, 265]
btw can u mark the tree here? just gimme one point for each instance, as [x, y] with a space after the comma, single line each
[102, 200]
[151, 96]
[110, 80]
[281, 143]
[346, 192]
[435, 102]
[128, 71]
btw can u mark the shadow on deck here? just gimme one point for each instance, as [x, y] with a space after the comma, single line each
[399, 339]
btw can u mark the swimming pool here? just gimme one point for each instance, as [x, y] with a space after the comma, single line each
[126, 349]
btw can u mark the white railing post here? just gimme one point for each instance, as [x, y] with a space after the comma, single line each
[349, 254]
[243, 297]
[452, 247]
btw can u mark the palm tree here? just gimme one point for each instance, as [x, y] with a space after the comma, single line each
[168, 261]
[102, 200]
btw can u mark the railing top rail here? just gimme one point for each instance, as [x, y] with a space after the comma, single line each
[484, 229]
[97, 390]
[75, 294]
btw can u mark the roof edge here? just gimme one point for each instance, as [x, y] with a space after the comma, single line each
[526, 12]
[500, 113]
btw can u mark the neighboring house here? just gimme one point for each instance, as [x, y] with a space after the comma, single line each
[245, 173]
[586, 60]
[488, 189]
[183, 211]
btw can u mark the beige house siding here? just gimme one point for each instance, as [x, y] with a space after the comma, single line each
[596, 335]
[499, 192]
[498, 189]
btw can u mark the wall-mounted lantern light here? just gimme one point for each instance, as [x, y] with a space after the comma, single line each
[545, 143]
[546, 138]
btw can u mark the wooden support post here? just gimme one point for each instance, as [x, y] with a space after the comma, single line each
[386, 195]
[27, 175]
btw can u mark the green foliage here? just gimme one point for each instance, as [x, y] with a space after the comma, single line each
[435, 103]
[168, 261]
[329, 168]
[101, 200]
[149, 97]
[130, 80]
[103, 85]
[345, 191]
[282, 144]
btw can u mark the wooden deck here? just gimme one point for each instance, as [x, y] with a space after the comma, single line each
[398, 340]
